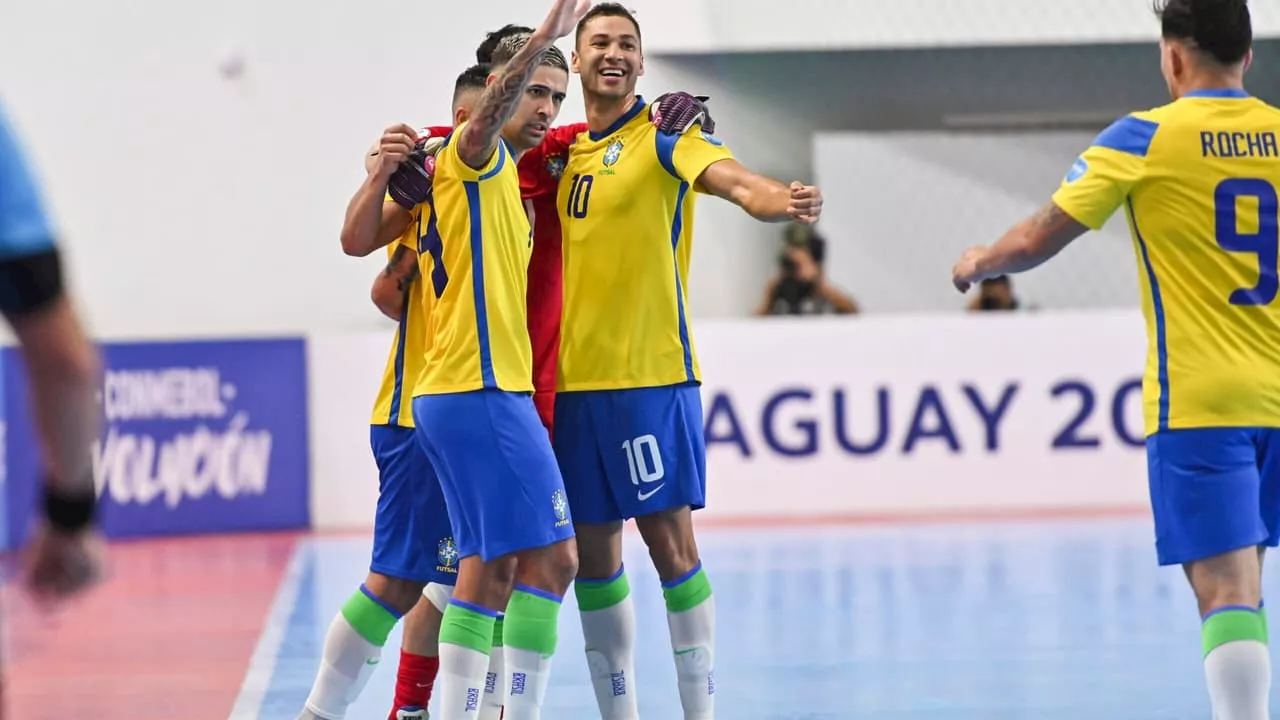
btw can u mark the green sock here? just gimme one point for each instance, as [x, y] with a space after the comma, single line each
[687, 594]
[1229, 624]
[1262, 615]
[532, 622]
[596, 595]
[467, 628]
[371, 619]
[497, 633]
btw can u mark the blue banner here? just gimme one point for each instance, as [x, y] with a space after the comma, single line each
[198, 437]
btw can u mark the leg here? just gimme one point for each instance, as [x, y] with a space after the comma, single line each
[435, 560]
[1206, 493]
[356, 636]
[485, 444]
[658, 475]
[602, 589]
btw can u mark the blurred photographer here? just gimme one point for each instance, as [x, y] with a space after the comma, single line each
[800, 287]
[995, 294]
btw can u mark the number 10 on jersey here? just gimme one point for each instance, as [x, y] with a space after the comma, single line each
[579, 196]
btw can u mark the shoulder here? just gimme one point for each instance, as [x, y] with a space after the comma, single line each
[1134, 133]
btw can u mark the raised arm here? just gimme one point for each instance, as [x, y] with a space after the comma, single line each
[479, 138]
[763, 198]
[1025, 246]
[371, 222]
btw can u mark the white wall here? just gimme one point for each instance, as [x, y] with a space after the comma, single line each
[197, 206]
[930, 195]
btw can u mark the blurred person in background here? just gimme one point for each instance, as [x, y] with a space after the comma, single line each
[1199, 180]
[994, 294]
[800, 286]
[62, 365]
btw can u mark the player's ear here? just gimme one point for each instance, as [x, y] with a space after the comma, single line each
[1248, 59]
[489, 80]
[573, 61]
[640, 70]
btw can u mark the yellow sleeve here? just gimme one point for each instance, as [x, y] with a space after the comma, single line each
[690, 154]
[1100, 179]
[450, 165]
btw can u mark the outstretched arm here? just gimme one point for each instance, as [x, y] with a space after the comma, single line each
[1030, 242]
[763, 198]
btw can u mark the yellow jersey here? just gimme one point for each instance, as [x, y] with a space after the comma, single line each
[626, 215]
[394, 405]
[1198, 180]
[474, 256]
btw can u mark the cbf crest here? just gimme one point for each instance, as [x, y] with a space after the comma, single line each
[555, 166]
[561, 508]
[447, 555]
[612, 152]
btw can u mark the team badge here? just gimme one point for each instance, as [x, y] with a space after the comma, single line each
[560, 506]
[1077, 171]
[612, 152]
[447, 553]
[555, 167]
[711, 139]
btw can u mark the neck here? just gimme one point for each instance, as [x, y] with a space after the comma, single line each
[517, 150]
[603, 112]
[1214, 80]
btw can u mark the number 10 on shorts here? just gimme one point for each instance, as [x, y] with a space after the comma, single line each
[645, 463]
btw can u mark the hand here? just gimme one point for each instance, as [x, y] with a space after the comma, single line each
[563, 18]
[674, 113]
[60, 565]
[965, 272]
[395, 145]
[806, 203]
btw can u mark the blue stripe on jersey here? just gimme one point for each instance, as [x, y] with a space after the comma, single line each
[502, 160]
[1157, 309]
[393, 417]
[24, 226]
[666, 147]
[617, 124]
[1128, 135]
[432, 245]
[477, 283]
[1218, 93]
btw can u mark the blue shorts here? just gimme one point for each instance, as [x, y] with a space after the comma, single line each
[630, 453]
[497, 470]
[1213, 490]
[412, 538]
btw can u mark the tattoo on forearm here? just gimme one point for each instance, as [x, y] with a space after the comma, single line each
[397, 258]
[403, 283]
[498, 103]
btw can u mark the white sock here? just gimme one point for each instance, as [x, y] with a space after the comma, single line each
[460, 684]
[691, 618]
[1239, 678]
[348, 662]
[610, 636]
[527, 675]
[495, 681]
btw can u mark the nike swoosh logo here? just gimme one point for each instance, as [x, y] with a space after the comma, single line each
[642, 495]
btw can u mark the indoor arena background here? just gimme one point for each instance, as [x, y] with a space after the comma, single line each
[916, 511]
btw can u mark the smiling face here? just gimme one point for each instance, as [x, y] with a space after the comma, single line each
[608, 56]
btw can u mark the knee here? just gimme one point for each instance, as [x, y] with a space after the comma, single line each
[1229, 579]
[402, 595]
[671, 543]
[599, 550]
[551, 568]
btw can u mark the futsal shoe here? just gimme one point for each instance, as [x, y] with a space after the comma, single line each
[412, 713]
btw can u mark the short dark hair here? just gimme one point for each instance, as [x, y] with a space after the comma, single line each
[513, 44]
[607, 9]
[473, 78]
[484, 53]
[1222, 29]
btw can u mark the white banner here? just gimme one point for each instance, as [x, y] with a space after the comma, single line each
[844, 418]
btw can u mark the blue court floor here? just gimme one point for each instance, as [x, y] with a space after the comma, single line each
[1050, 620]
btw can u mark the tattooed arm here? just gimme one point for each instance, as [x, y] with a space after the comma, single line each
[479, 138]
[393, 283]
[1031, 242]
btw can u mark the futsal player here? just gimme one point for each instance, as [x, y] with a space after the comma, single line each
[629, 425]
[472, 407]
[1197, 179]
[413, 547]
[62, 368]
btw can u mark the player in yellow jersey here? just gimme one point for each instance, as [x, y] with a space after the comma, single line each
[413, 547]
[473, 406]
[1198, 180]
[629, 425]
